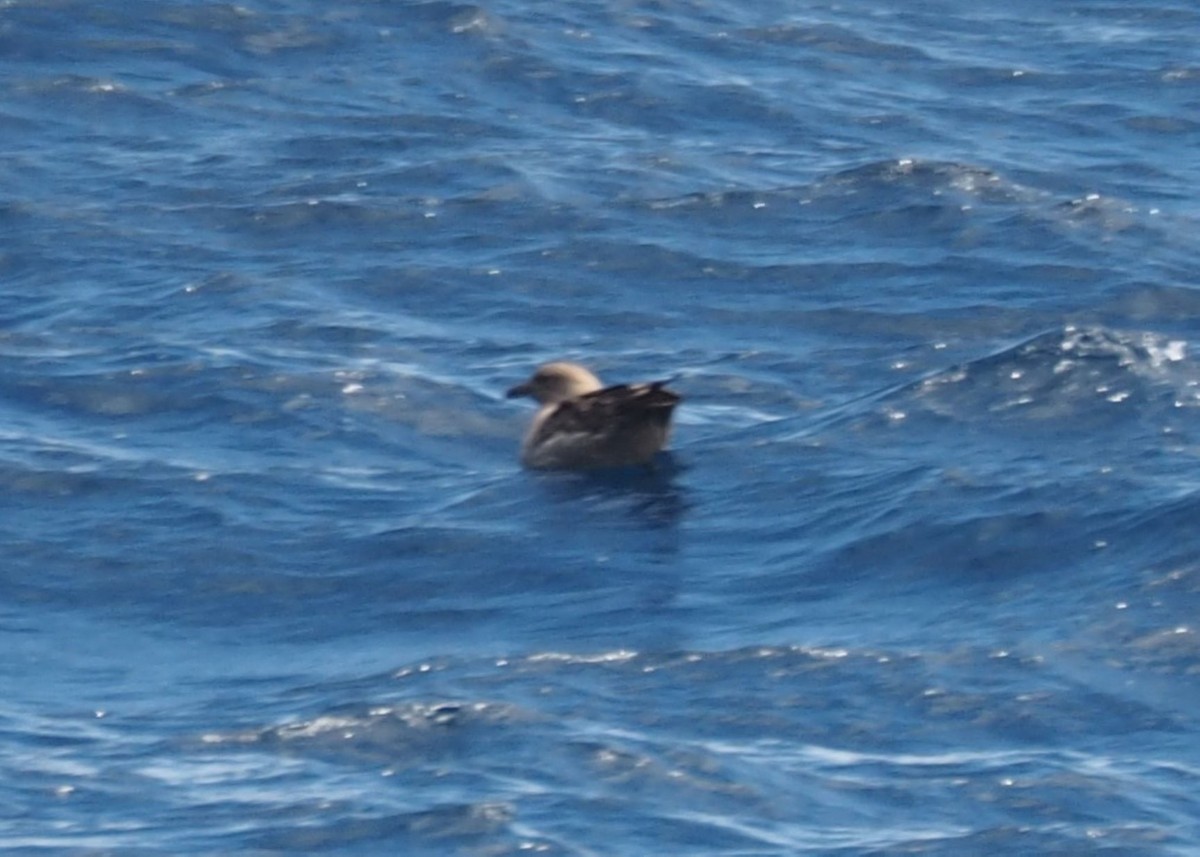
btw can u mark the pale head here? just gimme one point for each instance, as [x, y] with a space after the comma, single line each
[557, 382]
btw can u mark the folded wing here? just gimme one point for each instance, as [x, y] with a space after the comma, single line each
[620, 425]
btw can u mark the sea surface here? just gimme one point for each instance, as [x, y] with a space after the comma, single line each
[920, 574]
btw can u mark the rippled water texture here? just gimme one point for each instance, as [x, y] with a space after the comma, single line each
[919, 575]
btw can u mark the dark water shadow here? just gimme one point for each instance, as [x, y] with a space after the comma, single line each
[645, 497]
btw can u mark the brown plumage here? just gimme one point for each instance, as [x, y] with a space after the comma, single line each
[582, 424]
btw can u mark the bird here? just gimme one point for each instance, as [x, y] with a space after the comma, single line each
[583, 425]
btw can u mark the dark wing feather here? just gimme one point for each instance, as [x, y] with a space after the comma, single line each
[607, 411]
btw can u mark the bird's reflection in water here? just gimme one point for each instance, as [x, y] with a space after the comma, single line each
[626, 526]
[646, 498]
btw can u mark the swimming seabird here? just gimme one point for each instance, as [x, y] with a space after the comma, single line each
[583, 424]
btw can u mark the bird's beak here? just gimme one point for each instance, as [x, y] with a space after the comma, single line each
[519, 390]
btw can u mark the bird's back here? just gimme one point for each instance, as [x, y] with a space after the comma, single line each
[622, 425]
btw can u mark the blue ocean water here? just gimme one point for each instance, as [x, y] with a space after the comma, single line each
[920, 576]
